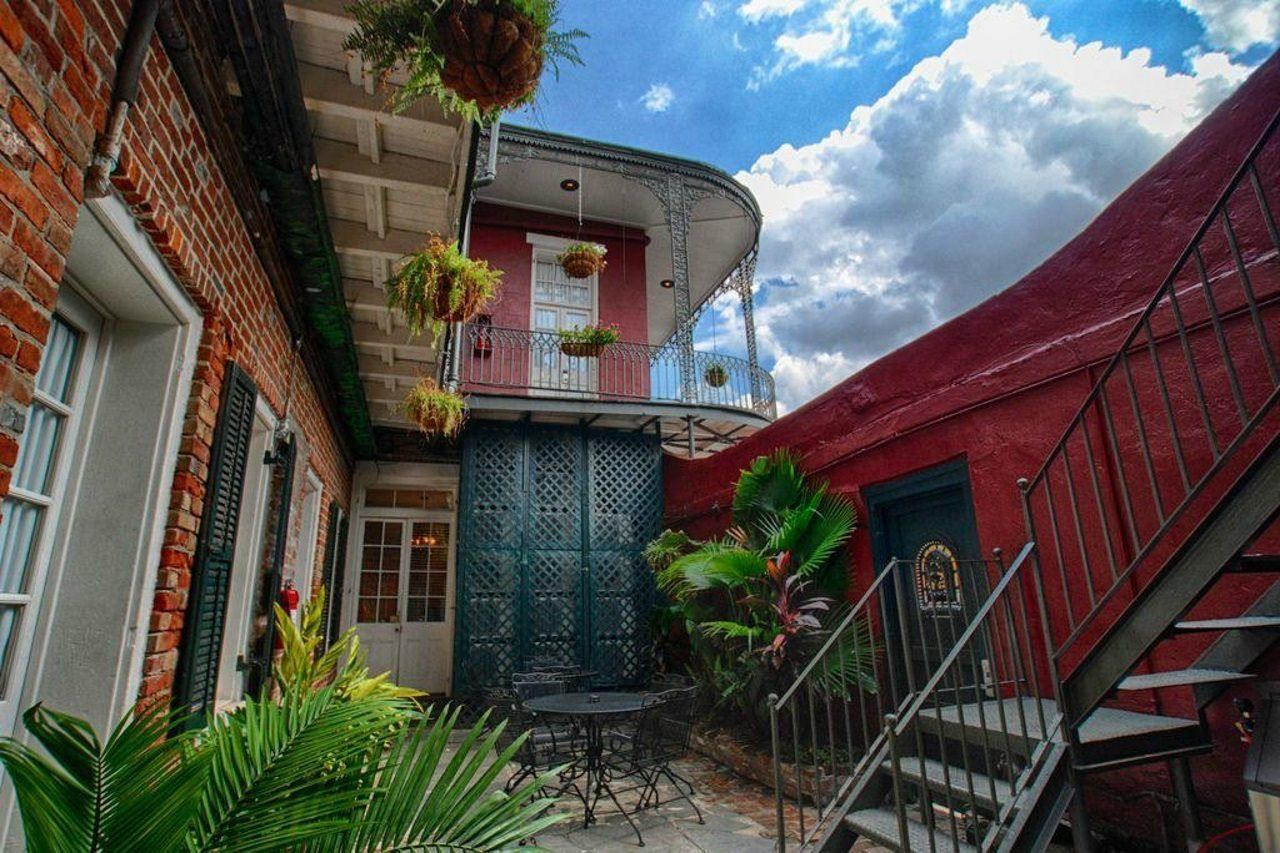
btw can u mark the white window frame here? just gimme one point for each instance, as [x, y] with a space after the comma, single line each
[246, 565]
[305, 552]
[547, 248]
[78, 313]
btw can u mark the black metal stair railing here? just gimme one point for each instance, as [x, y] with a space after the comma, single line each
[962, 754]
[823, 720]
[1172, 416]
[496, 360]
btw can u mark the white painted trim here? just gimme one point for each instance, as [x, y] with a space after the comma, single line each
[306, 552]
[546, 241]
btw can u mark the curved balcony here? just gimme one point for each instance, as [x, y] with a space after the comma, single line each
[519, 362]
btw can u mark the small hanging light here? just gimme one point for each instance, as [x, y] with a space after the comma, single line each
[667, 283]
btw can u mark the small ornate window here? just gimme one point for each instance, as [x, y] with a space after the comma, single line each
[937, 579]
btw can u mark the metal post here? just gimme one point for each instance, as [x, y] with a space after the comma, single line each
[746, 276]
[677, 202]
[780, 822]
[1180, 770]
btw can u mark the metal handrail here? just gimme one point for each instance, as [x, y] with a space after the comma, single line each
[853, 623]
[1001, 626]
[498, 360]
[1173, 408]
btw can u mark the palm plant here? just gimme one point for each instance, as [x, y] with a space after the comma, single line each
[758, 602]
[342, 761]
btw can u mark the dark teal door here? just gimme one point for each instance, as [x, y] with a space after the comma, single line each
[926, 522]
[553, 522]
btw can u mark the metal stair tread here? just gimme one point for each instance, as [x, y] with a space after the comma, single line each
[1261, 563]
[1237, 623]
[1179, 678]
[882, 825]
[937, 774]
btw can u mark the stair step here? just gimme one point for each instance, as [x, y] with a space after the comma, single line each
[882, 825]
[1239, 623]
[1180, 678]
[938, 774]
[1260, 563]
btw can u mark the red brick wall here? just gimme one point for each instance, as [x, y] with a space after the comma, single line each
[56, 68]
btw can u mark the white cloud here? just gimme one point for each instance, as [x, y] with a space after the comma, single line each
[1237, 25]
[757, 10]
[976, 165]
[829, 36]
[707, 10]
[658, 98]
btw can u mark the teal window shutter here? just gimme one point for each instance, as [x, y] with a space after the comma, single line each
[195, 688]
[334, 576]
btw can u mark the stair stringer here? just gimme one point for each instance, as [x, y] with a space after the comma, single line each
[1247, 508]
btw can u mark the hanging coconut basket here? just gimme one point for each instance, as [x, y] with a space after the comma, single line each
[581, 349]
[716, 375]
[582, 260]
[440, 285]
[493, 52]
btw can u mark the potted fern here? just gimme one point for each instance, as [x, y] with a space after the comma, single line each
[440, 285]
[588, 341]
[435, 410]
[716, 374]
[582, 260]
[476, 57]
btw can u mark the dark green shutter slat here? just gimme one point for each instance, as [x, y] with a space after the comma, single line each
[334, 577]
[197, 678]
[285, 457]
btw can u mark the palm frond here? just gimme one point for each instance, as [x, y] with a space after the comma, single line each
[849, 665]
[829, 528]
[136, 792]
[768, 486]
[288, 773]
[710, 567]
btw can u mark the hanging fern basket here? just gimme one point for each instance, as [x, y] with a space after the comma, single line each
[435, 411]
[493, 52]
[716, 376]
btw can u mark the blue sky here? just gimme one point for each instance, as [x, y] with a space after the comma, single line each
[899, 126]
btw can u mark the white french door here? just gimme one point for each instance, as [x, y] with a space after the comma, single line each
[29, 514]
[560, 302]
[404, 597]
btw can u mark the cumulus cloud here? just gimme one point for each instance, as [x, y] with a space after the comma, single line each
[707, 10]
[975, 166]
[825, 36]
[658, 98]
[1237, 25]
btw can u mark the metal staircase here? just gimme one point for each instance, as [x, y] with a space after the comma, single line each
[1163, 484]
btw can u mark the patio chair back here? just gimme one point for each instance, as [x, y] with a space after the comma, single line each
[666, 725]
[530, 685]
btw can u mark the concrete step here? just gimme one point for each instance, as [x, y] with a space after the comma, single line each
[1180, 678]
[881, 825]
[949, 778]
[1239, 623]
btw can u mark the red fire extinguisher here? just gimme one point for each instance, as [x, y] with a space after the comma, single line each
[289, 597]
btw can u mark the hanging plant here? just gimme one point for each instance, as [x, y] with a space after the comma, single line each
[476, 57]
[437, 412]
[589, 341]
[440, 285]
[583, 260]
[716, 375]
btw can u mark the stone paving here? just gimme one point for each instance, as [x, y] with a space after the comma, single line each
[738, 815]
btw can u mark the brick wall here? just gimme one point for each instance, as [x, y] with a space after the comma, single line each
[57, 62]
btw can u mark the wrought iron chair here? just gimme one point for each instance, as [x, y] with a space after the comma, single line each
[661, 737]
[529, 685]
[547, 748]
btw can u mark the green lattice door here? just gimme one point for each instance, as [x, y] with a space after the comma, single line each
[553, 523]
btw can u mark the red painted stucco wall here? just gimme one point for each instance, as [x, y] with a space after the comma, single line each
[499, 236]
[997, 386]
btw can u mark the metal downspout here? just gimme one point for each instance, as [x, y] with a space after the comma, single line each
[490, 174]
[106, 149]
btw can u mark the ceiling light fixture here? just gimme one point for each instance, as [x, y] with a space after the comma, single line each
[667, 283]
[570, 185]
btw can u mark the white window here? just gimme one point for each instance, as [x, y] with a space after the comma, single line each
[559, 302]
[308, 532]
[30, 511]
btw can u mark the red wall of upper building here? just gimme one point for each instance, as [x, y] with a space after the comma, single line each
[498, 235]
[997, 387]
[57, 63]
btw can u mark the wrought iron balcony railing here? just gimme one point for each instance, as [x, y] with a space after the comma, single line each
[495, 360]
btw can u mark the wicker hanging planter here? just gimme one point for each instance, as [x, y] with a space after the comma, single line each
[435, 411]
[582, 260]
[716, 375]
[581, 349]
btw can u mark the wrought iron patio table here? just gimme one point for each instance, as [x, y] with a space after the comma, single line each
[591, 711]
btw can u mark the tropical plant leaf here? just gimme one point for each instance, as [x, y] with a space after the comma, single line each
[770, 485]
[136, 792]
[710, 567]
[849, 665]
